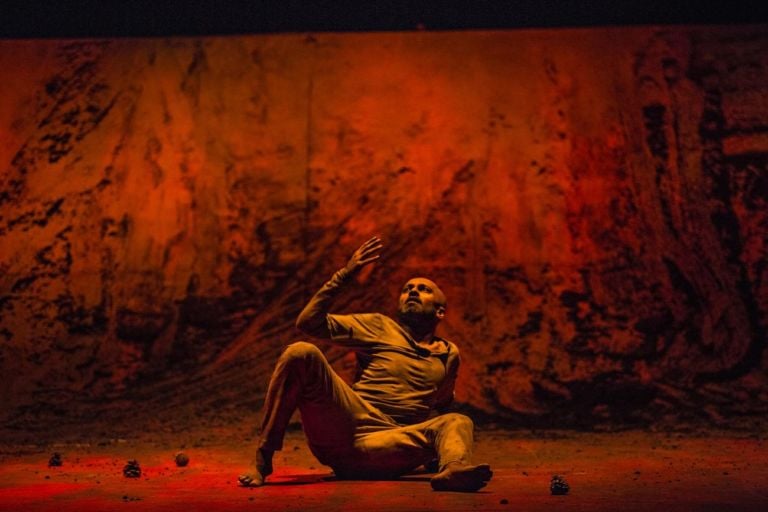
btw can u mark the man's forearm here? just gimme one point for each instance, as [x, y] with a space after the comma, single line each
[313, 318]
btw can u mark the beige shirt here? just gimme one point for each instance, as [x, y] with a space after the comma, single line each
[401, 378]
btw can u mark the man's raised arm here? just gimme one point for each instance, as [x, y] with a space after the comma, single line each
[313, 318]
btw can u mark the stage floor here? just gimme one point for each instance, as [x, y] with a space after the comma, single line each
[624, 471]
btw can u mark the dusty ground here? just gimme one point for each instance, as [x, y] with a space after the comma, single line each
[606, 471]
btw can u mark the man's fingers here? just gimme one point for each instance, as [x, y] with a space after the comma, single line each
[366, 251]
[372, 241]
[369, 260]
[365, 254]
[370, 250]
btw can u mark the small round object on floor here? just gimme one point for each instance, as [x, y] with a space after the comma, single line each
[558, 486]
[181, 459]
[55, 460]
[132, 469]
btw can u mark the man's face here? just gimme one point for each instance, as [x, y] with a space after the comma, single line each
[422, 297]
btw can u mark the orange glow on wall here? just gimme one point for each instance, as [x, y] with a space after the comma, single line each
[592, 201]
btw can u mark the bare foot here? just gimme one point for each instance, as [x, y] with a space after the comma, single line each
[262, 468]
[462, 478]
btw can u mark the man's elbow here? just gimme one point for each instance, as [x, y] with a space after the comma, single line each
[303, 324]
[312, 327]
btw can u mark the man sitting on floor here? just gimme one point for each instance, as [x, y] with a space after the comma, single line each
[388, 423]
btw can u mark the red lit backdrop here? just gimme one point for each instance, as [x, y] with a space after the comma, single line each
[592, 201]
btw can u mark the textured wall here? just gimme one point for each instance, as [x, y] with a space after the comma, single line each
[592, 201]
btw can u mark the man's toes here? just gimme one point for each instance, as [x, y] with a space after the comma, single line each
[462, 478]
[484, 471]
[250, 481]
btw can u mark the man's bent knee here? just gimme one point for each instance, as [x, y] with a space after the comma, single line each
[455, 418]
[301, 350]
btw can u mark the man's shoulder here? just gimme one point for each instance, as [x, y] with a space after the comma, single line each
[371, 319]
[453, 349]
[383, 319]
[370, 322]
[386, 324]
[360, 317]
[363, 327]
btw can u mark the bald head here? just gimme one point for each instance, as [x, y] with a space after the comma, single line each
[429, 286]
[422, 298]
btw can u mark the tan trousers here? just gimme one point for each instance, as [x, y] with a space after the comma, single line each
[346, 432]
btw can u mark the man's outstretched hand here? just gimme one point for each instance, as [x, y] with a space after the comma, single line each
[313, 319]
[365, 254]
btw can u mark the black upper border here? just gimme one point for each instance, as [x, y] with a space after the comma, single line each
[145, 18]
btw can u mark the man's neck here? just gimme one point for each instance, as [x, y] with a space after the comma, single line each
[420, 335]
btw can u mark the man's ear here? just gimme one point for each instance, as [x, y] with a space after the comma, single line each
[440, 312]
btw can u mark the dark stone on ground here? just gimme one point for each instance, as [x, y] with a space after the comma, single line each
[55, 460]
[132, 469]
[558, 486]
[181, 459]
